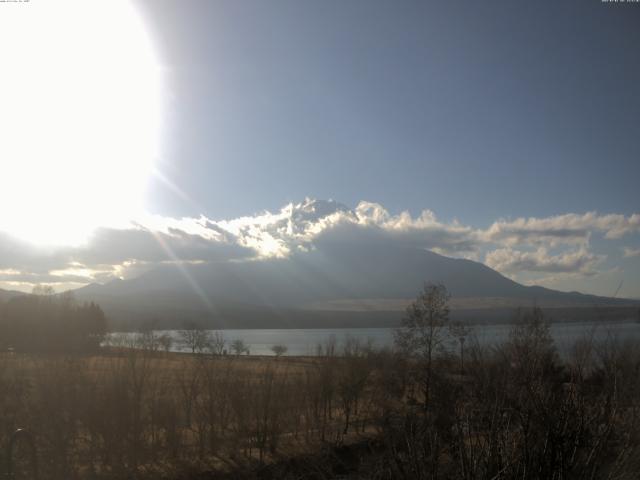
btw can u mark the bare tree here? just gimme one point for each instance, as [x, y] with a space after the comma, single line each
[195, 339]
[423, 331]
[353, 376]
[530, 346]
[165, 341]
[148, 340]
[460, 332]
[217, 343]
[279, 350]
[239, 347]
[43, 290]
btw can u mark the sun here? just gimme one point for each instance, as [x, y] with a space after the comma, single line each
[79, 117]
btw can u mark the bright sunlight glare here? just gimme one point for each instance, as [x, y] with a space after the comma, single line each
[79, 117]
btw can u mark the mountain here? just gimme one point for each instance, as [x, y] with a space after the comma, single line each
[320, 264]
[6, 295]
[346, 286]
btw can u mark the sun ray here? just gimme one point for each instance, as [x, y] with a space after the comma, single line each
[179, 264]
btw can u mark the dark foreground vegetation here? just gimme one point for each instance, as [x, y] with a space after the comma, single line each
[420, 411]
[44, 322]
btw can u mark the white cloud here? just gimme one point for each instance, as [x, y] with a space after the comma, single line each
[631, 252]
[519, 245]
[298, 227]
[507, 260]
[570, 228]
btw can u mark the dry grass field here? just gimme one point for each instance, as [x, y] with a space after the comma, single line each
[513, 411]
[158, 414]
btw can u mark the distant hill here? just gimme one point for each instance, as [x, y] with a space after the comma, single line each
[8, 294]
[330, 287]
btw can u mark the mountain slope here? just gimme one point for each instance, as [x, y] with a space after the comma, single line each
[6, 295]
[289, 290]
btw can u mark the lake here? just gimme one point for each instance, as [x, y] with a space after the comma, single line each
[304, 341]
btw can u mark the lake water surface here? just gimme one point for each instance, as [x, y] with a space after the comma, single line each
[305, 341]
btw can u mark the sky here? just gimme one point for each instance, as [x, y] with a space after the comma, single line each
[452, 106]
[508, 127]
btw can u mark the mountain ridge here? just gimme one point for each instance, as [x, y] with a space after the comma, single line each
[313, 282]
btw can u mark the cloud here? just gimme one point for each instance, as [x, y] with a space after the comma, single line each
[291, 229]
[301, 226]
[305, 226]
[570, 228]
[110, 246]
[18, 255]
[631, 252]
[507, 260]
[513, 246]
[111, 253]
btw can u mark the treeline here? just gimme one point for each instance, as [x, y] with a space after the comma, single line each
[44, 322]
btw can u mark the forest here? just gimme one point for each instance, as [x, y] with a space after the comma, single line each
[44, 322]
